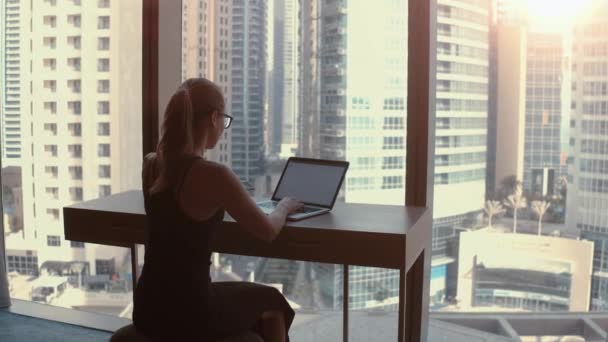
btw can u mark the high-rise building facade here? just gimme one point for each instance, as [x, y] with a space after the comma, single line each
[276, 31]
[461, 124]
[206, 53]
[308, 120]
[547, 124]
[285, 78]
[332, 80]
[587, 207]
[247, 82]
[290, 80]
[81, 121]
[12, 26]
[362, 96]
[354, 108]
[362, 113]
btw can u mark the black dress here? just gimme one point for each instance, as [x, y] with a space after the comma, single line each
[175, 298]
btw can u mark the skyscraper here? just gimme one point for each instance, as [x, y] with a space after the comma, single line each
[508, 120]
[362, 112]
[587, 207]
[353, 108]
[308, 120]
[461, 123]
[80, 121]
[547, 121]
[276, 31]
[247, 82]
[332, 52]
[362, 96]
[291, 81]
[206, 53]
[285, 78]
[11, 27]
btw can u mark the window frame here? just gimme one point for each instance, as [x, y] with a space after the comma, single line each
[420, 148]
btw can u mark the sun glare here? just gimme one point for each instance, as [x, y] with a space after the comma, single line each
[555, 14]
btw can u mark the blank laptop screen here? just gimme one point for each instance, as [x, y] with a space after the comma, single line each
[310, 182]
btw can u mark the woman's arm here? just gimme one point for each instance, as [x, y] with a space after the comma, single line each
[230, 194]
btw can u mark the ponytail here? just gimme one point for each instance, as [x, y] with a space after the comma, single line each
[176, 137]
[182, 118]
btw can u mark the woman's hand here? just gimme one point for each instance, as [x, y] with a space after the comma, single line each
[224, 187]
[290, 204]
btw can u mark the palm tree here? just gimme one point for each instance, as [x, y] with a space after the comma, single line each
[493, 208]
[516, 201]
[540, 208]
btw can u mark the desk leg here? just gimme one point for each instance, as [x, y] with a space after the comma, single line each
[134, 268]
[345, 296]
[415, 294]
[402, 305]
[411, 291]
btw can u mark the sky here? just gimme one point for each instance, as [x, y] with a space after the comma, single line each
[553, 15]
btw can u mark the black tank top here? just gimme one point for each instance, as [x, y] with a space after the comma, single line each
[174, 285]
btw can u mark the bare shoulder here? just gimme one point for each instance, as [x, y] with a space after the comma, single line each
[212, 173]
[212, 177]
[206, 187]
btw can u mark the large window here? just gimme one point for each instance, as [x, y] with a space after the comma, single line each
[65, 128]
[519, 114]
[520, 197]
[520, 204]
[320, 79]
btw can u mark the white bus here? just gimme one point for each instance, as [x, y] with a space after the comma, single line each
[46, 288]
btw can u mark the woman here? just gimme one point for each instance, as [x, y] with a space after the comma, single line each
[185, 197]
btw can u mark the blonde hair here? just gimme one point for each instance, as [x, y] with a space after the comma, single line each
[194, 100]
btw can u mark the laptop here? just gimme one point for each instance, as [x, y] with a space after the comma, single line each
[314, 182]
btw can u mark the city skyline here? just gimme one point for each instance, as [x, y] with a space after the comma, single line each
[515, 102]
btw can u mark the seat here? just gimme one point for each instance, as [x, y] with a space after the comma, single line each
[129, 334]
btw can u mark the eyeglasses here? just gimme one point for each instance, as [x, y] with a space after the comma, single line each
[227, 120]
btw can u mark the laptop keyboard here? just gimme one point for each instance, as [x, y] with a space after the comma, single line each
[268, 205]
[273, 204]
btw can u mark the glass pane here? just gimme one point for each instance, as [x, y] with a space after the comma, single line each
[312, 289]
[521, 197]
[375, 82]
[321, 79]
[70, 132]
[462, 112]
[351, 111]
[373, 304]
